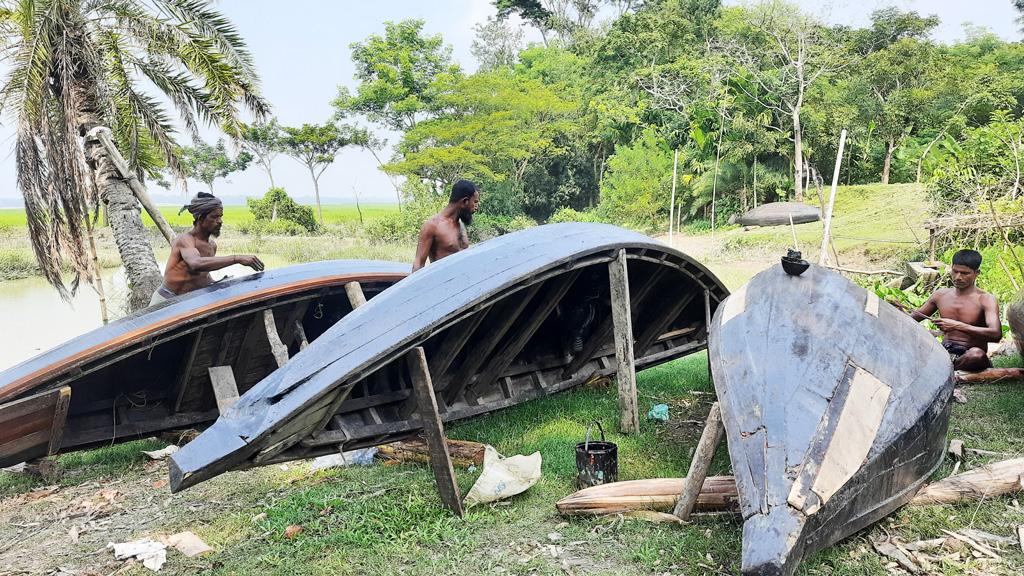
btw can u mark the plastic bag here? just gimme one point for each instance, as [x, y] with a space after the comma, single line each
[503, 477]
[658, 412]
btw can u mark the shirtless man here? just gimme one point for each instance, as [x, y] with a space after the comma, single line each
[444, 233]
[968, 316]
[194, 253]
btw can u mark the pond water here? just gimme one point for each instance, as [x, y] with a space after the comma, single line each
[35, 318]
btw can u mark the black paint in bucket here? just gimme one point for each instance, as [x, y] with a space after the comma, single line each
[597, 462]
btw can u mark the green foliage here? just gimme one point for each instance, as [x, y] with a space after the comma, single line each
[396, 73]
[276, 206]
[207, 163]
[263, 141]
[636, 188]
[570, 215]
[273, 228]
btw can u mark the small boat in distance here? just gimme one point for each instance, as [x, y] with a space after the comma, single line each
[149, 372]
[512, 319]
[835, 405]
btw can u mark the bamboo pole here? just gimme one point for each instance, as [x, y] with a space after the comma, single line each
[700, 464]
[672, 205]
[102, 134]
[823, 253]
[97, 280]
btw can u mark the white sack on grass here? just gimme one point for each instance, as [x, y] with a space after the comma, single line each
[503, 477]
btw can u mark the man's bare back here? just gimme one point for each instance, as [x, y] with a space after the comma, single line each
[443, 234]
[968, 316]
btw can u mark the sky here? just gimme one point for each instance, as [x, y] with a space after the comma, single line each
[302, 54]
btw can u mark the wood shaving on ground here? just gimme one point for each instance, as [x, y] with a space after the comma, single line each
[162, 453]
[153, 554]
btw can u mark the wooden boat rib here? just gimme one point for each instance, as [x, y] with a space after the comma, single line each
[515, 318]
[148, 372]
[835, 406]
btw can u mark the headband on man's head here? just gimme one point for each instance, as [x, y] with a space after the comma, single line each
[201, 205]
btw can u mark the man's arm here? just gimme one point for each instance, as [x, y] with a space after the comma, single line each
[992, 331]
[199, 263]
[423, 245]
[926, 310]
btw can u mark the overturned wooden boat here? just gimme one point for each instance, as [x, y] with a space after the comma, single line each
[835, 405]
[779, 214]
[515, 318]
[149, 372]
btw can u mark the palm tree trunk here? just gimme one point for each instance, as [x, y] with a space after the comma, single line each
[130, 235]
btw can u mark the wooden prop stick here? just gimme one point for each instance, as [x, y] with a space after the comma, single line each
[355, 294]
[990, 376]
[629, 418]
[823, 253]
[277, 348]
[709, 440]
[433, 430]
[102, 134]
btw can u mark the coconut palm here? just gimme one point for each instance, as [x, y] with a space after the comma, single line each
[81, 64]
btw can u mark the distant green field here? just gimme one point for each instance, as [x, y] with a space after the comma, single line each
[233, 215]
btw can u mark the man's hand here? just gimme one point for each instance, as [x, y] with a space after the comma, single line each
[250, 261]
[947, 325]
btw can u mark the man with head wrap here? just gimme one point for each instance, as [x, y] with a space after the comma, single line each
[194, 253]
[444, 233]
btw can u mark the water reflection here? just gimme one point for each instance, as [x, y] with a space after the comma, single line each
[35, 319]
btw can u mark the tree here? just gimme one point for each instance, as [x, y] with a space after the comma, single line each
[263, 141]
[778, 53]
[395, 75]
[315, 146]
[1019, 5]
[78, 65]
[207, 163]
[497, 44]
[276, 204]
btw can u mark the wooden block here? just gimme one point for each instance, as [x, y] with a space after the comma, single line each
[709, 440]
[629, 417]
[433, 430]
[355, 294]
[60, 417]
[224, 388]
[277, 348]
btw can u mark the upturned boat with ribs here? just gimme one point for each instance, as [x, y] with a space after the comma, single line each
[835, 405]
[150, 371]
[515, 318]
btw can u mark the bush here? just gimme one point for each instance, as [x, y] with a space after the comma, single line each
[486, 226]
[570, 215]
[287, 210]
[279, 227]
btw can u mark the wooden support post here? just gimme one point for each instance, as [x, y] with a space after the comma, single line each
[102, 135]
[707, 331]
[433, 430]
[224, 387]
[277, 348]
[60, 417]
[629, 418]
[355, 294]
[931, 244]
[709, 440]
[300, 335]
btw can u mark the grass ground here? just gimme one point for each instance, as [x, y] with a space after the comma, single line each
[388, 520]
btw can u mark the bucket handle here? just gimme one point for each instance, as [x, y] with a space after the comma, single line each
[586, 440]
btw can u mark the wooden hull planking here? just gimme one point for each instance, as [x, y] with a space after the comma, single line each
[148, 372]
[515, 318]
[835, 405]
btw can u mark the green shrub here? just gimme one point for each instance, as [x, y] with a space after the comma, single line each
[485, 226]
[570, 215]
[279, 227]
[263, 211]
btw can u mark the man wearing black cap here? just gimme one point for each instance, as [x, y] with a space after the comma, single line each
[194, 253]
[444, 233]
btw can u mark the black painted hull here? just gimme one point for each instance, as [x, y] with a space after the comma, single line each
[835, 405]
[148, 372]
[512, 319]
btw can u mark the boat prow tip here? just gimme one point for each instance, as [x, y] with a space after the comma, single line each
[772, 545]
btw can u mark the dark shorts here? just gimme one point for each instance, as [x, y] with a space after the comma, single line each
[956, 350]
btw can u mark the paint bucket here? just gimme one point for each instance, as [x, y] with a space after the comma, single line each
[597, 462]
